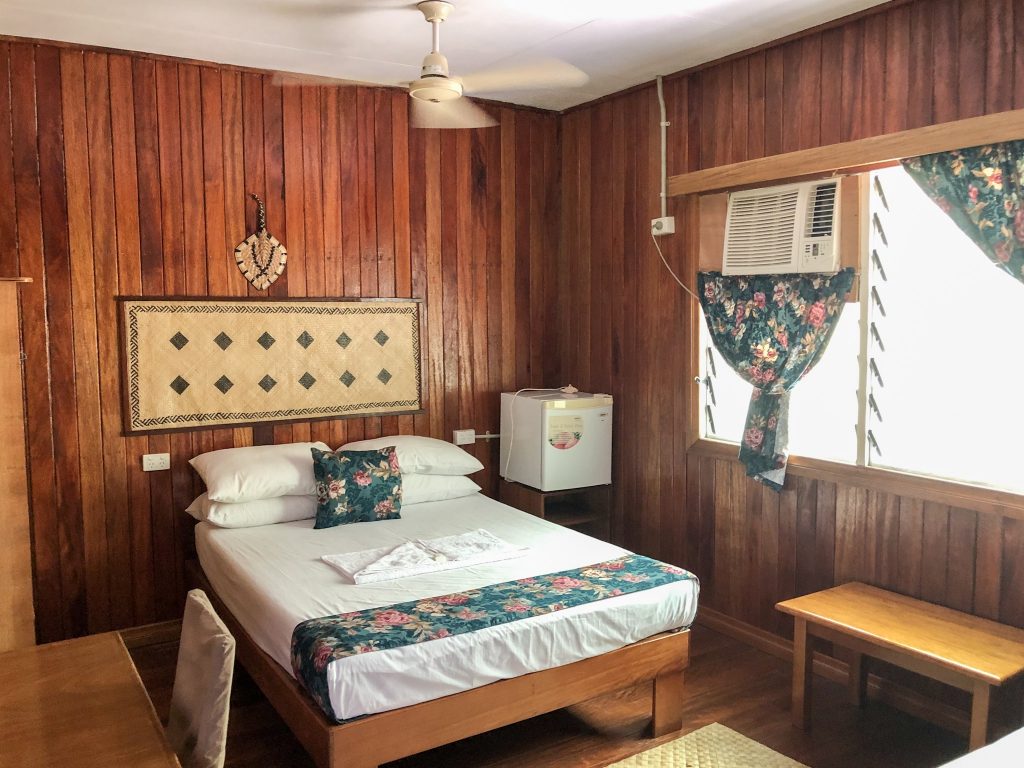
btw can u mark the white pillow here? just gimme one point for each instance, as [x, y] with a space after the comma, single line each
[248, 514]
[258, 471]
[422, 455]
[420, 488]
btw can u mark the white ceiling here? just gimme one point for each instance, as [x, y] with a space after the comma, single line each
[619, 43]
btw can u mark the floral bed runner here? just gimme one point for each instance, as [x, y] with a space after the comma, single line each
[318, 642]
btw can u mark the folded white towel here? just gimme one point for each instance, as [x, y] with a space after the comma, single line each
[420, 556]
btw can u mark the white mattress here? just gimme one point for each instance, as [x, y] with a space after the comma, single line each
[271, 578]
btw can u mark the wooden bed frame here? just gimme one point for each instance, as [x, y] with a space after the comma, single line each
[367, 742]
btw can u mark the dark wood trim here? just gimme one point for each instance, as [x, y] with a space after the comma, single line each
[852, 156]
[950, 492]
[151, 634]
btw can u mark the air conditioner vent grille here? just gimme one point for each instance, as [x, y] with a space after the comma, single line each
[820, 211]
[761, 230]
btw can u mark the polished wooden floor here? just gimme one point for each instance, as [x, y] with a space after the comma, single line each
[728, 682]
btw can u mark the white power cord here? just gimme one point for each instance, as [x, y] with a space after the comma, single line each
[670, 271]
[569, 389]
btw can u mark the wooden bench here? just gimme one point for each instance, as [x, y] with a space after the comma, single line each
[953, 647]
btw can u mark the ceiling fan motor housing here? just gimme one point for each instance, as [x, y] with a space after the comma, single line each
[435, 88]
[434, 83]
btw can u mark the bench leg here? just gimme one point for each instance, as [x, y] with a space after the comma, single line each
[858, 681]
[979, 715]
[803, 651]
[667, 706]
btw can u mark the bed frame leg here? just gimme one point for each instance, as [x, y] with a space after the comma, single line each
[668, 703]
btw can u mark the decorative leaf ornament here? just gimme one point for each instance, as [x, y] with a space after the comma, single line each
[260, 257]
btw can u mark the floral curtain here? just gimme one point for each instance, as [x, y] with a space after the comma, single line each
[982, 190]
[771, 329]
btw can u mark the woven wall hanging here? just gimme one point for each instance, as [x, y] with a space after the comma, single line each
[260, 257]
[194, 363]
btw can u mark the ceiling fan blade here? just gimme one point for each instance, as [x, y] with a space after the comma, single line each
[457, 113]
[328, 9]
[535, 74]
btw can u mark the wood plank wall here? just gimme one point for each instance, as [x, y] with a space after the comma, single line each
[626, 327]
[124, 173]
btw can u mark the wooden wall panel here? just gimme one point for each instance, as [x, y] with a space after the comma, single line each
[130, 174]
[529, 242]
[899, 66]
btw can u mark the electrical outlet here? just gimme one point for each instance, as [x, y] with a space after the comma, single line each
[464, 436]
[153, 462]
[666, 225]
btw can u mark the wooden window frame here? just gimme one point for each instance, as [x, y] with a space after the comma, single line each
[849, 157]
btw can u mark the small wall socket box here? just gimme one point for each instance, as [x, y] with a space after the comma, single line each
[666, 225]
[464, 436]
[153, 462]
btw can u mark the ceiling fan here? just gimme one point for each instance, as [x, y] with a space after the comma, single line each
[439, 100]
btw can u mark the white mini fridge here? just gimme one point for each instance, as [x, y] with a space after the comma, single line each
[553, 441]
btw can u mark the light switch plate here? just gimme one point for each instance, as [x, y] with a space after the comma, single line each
[153, 462]
[464, 436]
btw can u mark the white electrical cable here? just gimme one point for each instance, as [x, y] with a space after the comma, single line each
[664, 149]
[569, 389]
[670, 271]
[663, 194]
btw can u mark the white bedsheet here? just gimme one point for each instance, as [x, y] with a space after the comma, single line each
[1007, 752]
[271, 578]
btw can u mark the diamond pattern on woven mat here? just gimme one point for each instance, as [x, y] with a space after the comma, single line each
[223, 340]
[344, 340]
[384, 376]
[267, 383]
[713, 746]
[381, 337]
[305, 340]
[347, 378]
[307, 380]
[179, 340]
[266, 340]
[224, 384]
[179, 385]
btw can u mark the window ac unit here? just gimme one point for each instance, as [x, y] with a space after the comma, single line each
[790, 228]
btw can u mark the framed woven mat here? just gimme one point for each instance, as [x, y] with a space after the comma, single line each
[195, 363]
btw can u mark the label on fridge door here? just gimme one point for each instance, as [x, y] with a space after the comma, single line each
[564, 432]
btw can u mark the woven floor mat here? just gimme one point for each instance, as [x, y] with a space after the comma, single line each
[713, 746]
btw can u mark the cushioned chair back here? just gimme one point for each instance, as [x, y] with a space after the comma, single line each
[198, 725]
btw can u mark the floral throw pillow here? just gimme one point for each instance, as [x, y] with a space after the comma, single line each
[356, 486]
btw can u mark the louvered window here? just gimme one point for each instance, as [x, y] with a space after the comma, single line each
[921, 374]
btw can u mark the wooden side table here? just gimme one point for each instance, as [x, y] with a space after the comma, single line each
[956, 648]
[587, 510]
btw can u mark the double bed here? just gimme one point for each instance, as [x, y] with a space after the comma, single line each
[267, 580]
